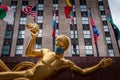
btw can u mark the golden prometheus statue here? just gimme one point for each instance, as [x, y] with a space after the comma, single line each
[50, 63]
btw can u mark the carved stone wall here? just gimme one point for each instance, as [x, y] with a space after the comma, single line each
[109, 73]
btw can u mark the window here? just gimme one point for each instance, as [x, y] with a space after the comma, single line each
[8, 33]
[74, 8]
[106, 28]
[40, 7]
[86, 34]
[19, 47]
[83, 8]
[100, 3]
[108, 39]
[6, 47]
[100, 0]
[19, 50]
[23, 14]
[25, 2]
[89, 50]
[57, 29]
[55, 6]
[14, 7]
[41, 1]
[101, 8]
[86, 27]
[104, 23]
[40, 19]
[21, 31]
[40, 13]
[110, 46]
[107, 34]
[84, 14]
[102, 12]
[103, 17]
[21, 34]
[74, 47]
[85, 20]
[38, 43]
[23, 20]
[55, 1]
[40, 30]
[82, 2]
[88, 41]
[14, 3]
[6, 50]
[111, 52]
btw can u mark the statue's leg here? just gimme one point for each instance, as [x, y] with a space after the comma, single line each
[3, 67]
[13, 75]
[23, 66]
[21, 79]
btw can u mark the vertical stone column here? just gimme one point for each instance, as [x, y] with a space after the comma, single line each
[80, 29]
[16, 27]
[47, 25]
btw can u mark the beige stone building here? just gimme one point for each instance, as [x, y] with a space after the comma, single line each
[15, 37]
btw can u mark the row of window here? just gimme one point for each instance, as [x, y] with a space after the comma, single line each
[86, 30]
[74, 33]
[106, 29]
[73, 29]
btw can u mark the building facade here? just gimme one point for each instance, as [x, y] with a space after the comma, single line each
[15, 37]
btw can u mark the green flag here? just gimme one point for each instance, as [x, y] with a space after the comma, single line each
[116, 30]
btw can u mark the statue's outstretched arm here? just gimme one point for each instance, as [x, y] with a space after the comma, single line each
[30, 51]
[105, 62]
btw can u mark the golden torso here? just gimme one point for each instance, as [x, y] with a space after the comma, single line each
[48, 65]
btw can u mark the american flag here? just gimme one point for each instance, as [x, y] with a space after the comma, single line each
[30, 10]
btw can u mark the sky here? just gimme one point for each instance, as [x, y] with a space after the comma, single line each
[115, 11]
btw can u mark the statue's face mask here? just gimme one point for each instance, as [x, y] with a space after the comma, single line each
[59, 50]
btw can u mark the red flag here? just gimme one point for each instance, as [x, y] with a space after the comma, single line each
[95, 31]
[54, 24]
[30, 10]
[67, 11]
[54, 32]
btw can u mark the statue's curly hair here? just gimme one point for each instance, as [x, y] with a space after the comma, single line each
[65, 40]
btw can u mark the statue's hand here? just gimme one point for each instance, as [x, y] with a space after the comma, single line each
[105, 62]
[34, 28]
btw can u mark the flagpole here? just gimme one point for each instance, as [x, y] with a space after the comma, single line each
[97, 50]
[96, 33]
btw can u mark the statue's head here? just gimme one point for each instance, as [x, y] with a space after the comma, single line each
[62, 41]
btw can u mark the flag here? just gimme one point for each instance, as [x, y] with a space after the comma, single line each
[68, 9]
[30, 10]
[54, 24]
[94, 28]
[7, 14]
[54, 27]
[116, 30]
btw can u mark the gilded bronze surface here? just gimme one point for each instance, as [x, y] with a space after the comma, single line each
[49, 65]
